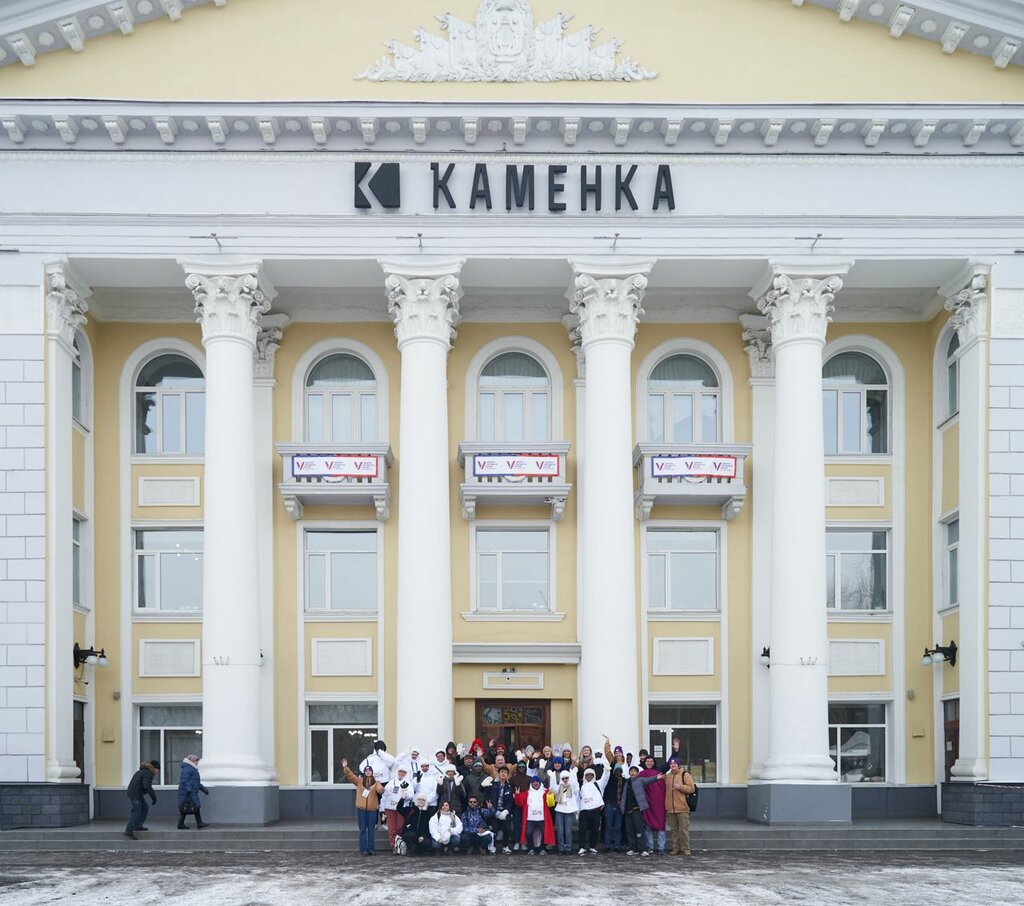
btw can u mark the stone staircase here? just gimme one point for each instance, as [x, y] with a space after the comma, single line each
[337, 836]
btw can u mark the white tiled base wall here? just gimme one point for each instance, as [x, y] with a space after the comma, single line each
[1006, 561]
[22, 529]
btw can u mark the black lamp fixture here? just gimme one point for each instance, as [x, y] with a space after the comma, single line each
[940, 653]
[765, 660]
[89, 656]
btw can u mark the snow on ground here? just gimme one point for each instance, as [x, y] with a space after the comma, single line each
[718, 879]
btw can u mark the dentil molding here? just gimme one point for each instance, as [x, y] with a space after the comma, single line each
[505, 44]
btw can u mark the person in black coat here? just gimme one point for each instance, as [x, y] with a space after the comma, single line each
[450, 790]
[505, 819]
[139, 787]
[416, 831]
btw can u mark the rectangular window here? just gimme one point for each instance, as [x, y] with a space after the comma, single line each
[169, 569]
[336, 731]
[682, 419]
[830, 419]
[682, 569]
[952, 558]
[513, 568]
[856, 567]
[696, 729]
[168, 733]
[341, 571]
[856, 738]
[952, 388]
[76, 561]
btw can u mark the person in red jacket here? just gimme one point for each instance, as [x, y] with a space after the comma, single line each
[538, 829]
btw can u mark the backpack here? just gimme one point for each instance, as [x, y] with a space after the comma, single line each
[691, 799]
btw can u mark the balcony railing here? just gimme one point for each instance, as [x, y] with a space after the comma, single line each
[519, 474]
[332, 474]
[690, 475]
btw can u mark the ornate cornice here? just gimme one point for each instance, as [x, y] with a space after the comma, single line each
[231, 298]
[967, 303]
[65, 303]
[423, 299]
[608, 300]
[397, 127]
[504, 44]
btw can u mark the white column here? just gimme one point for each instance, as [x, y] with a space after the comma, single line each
[797, 306]
[762, 391]
[229, 305]
[65, 313]
[968, 305]
[268, 340]
[423, 300]
[607, 299]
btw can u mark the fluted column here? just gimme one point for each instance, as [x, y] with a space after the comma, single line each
[230, 302]
[797, 305]
[607, 299]
[423, 300]
[967, 303]
[65, 313]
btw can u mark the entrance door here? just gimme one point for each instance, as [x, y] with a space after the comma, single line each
[951, 734]
[515, 723]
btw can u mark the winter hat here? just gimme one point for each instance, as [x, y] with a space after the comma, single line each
[618, 749]
[617, 767]
[589, 772]
[450, 769]
[535, 779]
[155, 763]
[402, 769]
[529, 750]
[367, 768]
[421, 797]
[556, 762]
[500, 747]
[380, 746]
[564, 775]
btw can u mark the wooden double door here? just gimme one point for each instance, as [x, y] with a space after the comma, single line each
[516, 723]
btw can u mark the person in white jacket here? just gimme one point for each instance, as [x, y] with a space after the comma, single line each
[567, 804]
[380, 761]
[425, 781]
[398, 795]
[591, 807]
[445, 830]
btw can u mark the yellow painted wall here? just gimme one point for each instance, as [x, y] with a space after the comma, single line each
[862, 630]
[341, 685]
[166, 470]
[705, 52]
[858, 470]
[164, 685]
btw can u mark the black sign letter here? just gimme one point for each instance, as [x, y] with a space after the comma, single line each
[519, 188]
[481, 187]
[590, 188]
[555, 187]
[663, 188]
[441, 185]
[385, 185]
[622, 189]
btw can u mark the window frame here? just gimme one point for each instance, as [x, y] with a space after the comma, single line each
[697, 395]
[547, 527]
[79, 596]
[327, 613]
[136, 390]
[951, 564]
[81, 381]
[690, 527]
[861, 390]
[837, 573]
[668, 730]
[887, 736]
[357, 391]
[370, 730]
[528, 392]
[951, 373]
[137, 553]
[139, 729]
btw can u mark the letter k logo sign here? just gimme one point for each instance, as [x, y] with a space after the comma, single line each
[385, 185]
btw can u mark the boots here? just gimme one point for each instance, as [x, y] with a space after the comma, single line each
[200, 824]
[181, 821]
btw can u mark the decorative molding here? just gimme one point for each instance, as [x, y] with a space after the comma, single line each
[165, 490]
[65, 303]
[169, 657]
[515, 653]
[341, 657]
[758, 339]
[423, 299]
[608, 300]
[683, 657]
[517, 680]
[856, 657]
[230, 298]
[506, 45]
[967, 302]
[268, 341]
[798, 303]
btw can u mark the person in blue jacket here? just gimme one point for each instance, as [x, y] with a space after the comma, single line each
[189, 788]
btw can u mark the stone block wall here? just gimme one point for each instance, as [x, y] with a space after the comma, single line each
[983, 804]
[43, 805]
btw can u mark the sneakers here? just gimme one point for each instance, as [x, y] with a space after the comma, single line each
[646, 852]
[506, 851]
[491, 849]
[630, 852]
[592, 850]
[531, 852]
[130, 835]
[542, 852]
[582, 852]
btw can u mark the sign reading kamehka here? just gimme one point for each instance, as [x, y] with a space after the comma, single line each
[526, 466]
[328, 465]
[696, 466]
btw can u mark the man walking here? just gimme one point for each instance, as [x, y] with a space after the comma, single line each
[139, 787]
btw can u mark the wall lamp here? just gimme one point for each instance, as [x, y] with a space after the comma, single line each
[940, 653]
[89, 656]
[765, 660]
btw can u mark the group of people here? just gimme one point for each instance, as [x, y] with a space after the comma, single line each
[528, 801]
[141, 787]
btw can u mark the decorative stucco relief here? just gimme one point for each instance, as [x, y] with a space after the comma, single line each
[506, 45]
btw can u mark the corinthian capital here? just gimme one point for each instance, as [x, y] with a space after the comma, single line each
[268, 341]
[608, 299]
[796, 297]
[967, 302]
[231, 297]
[758, 340]
[423, 299]
[65, 302]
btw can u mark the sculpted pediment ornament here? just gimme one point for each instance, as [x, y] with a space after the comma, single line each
[506, 45]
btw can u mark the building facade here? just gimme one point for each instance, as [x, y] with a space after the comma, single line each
[536, 391]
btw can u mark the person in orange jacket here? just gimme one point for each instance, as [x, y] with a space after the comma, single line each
[368, 791]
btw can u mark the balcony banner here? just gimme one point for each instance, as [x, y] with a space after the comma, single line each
[696, 466]
[528, 465]
[333, 466]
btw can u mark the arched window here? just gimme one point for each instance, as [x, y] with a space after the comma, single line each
[341, 400]
[513, 400]
[683, 402]
[170, 406]
[953, 375]
[855, 397]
